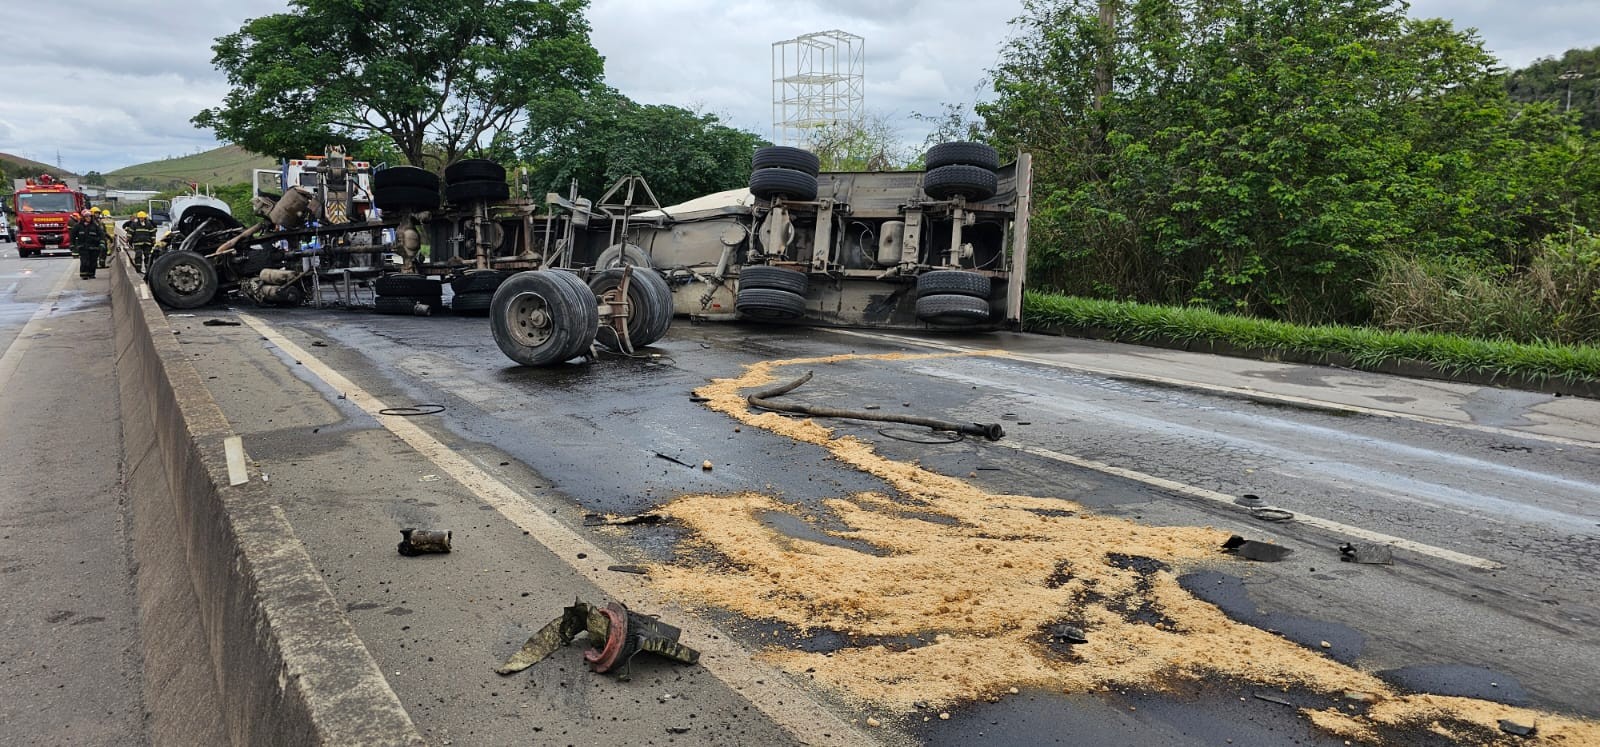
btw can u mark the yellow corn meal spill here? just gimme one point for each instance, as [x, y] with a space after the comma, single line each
[959, 598]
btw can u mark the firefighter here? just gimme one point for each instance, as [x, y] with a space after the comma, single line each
[88, 236]
[141, 239]
[109, 226]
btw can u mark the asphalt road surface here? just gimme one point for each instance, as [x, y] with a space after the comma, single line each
[1489, 496]
[1132, 458]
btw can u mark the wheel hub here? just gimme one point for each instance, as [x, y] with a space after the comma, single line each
[528, 317]
[185, 279]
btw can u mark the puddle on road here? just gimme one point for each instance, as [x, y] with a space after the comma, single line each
[986, 577]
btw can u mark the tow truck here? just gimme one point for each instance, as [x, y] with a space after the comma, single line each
[42, 205]
[942, 248]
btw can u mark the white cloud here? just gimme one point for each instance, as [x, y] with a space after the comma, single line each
[121, 88]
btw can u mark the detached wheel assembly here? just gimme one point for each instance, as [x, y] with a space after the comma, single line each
[951, 310]
[182, 280]
[769, 305]
[776, 278]
[543, 317]
[649, 300]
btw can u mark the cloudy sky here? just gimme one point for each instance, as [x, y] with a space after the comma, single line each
[126, 95]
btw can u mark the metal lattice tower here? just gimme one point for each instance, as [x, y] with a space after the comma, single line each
[818, 80]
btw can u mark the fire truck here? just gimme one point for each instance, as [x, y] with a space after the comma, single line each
[42, 205]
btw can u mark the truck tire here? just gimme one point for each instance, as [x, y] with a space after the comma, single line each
[478, 281]
[613, 257]
[785, 157]
[971, 182]
[769, 305]
[182, 280]
[950, 310]
[405, 176]
[406, 198]
[961, 154]
[474, 170]
[401, 305]
[771, 184]
[474, 303]
[476, 191]
[407, 284]
[650, 297]
[540, 318]
[776, 278]
[954, 282]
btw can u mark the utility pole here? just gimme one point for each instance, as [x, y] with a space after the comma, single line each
[1568, 77]
[1104, 68]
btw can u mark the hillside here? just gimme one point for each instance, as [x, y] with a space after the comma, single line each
[229, 164]
[17, 167]
[1541, 81]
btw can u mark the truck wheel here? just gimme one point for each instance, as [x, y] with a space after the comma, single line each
[477, 191]
[769, 184]
[398, 197]
[474, 303]
[182, 280]
[540, 318]
[961, 154]
[613, 257]
[650, 297]
[954, 282]
[776, 278]
[784, 157]
[769, 305]
[971, 182]
[478, 281]
[474, 170]
[950, 310]
[405, 176]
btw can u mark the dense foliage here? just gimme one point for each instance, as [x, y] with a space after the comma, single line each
[598, 138]
[1264, 156]
[437, 77]
[1542, 82]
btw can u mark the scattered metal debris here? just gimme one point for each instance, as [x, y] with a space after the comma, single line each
[1063, 633]
[638, 570]
[1264, 552]
[604, 520]
[406, 412]
[218, 323]
[1368, 554]
[763, 400]
[1273, 699]
[672, 459]
[1270, 514]
[1518, 730]
[424, 541]
[619, 634]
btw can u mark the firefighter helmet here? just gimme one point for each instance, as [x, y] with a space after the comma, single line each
[141, 214]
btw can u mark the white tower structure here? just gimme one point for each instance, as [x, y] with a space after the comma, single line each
[818, 80]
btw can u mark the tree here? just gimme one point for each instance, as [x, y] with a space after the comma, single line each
[1259, 155]
[437, 77]
[1541, 81]
[599, 138]
[868, 145]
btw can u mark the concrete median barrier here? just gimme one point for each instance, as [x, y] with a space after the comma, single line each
[242, 639]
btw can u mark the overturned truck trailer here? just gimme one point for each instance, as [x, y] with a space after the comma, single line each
[943, 248]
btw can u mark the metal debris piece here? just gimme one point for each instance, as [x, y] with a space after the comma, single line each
[219, 323]
[424, 541]
[1264, 552]
[1515, 729]
[634, 569]
[763, 400]
[603, 520]
[1265, 513]
[1063, 633]
[1273, 699]
[620, 634]
[673, 459]
[1368, 554]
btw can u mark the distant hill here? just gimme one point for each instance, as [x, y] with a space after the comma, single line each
[229, 164]
[1541, 81]
[17, 167]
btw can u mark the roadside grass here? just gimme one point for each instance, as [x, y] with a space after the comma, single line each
[1365, 347]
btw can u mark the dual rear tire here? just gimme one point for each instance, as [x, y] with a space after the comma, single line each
[771, 294]
[544, 317]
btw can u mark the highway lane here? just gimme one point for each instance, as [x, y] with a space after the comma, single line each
[1494, 490]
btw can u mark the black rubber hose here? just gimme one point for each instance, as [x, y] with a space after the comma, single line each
[762, 399]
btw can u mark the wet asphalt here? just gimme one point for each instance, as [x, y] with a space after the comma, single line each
[621, 436]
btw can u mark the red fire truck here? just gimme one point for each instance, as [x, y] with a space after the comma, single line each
[41, 205]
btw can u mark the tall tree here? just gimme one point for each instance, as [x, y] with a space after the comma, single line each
[1569, 81]
[440, 78]
[599, 138]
